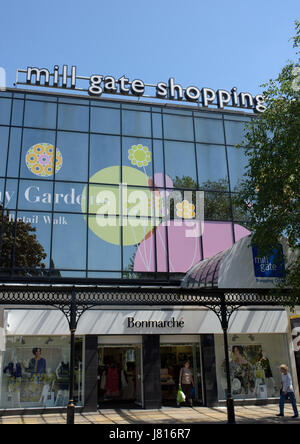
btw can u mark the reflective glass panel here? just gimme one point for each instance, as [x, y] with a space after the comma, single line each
[105, 120]
[14, 152]
[35, 195]
[217, 206]
[4, 131]
[105, 158]
[135, 123]
[212, 167]
[157, 125]
[139, 255]
[72, 164]
[235, 132]
[209, 130]
[238, 162]
[137, 161]
[40, 114]
[158, 155]
[69, 241]
[17, 112]
[104, 248]
[11, 193]
[73, 117]
[178, 127]
[37, 154]
[5, 105]
[69, 197]
[37, 250]
[180, 164]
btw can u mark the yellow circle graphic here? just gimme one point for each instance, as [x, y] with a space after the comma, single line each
[40, 159]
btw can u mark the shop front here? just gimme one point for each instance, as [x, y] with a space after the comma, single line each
[118, 364]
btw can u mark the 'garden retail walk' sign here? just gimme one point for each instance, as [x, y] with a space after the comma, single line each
[99, 84]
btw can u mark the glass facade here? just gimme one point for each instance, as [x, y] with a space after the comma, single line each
[61, 165]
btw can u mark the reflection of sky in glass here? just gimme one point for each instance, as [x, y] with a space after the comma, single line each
[102, 255]
[69, 241]
[74, 150]
[180, 160]
[209, 131]
[3, 148]
[211, 164]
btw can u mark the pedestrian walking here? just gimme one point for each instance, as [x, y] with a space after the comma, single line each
[287, 391]
[186, 382]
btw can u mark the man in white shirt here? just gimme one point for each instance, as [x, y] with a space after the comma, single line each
[287, 391]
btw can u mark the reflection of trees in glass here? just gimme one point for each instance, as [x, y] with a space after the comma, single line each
[216, 196]
[240, 212]
[20, 248]
[129, 273]
[52, 272]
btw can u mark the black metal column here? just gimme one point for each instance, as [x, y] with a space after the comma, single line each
[71, 405]
[151, 372]
[229, 400]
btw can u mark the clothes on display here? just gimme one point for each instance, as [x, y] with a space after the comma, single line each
[116, 374]
[62, 372]
[13, 369]
[112, 381]
[251, 374]
[37, 366]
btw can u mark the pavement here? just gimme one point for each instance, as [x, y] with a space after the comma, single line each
[166, 415]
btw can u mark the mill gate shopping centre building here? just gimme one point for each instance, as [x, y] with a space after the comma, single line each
[126, 205]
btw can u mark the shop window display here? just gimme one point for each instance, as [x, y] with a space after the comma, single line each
[254, 366]
[119, 375]
[35, 372]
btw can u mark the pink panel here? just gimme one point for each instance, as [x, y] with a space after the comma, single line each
[217, 236]
[184, 246]
[240, 232]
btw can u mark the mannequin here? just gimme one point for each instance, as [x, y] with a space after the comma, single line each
[47, 395]
[14, 371]
[63, 377]
[37, 365]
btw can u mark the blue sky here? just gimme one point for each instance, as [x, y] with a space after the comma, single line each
[212, 43]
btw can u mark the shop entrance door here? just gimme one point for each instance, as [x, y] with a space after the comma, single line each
[173, 358]
[119, 376]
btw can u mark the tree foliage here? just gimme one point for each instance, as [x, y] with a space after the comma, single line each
[270, 191]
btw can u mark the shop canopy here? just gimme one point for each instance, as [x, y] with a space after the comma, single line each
[240, 266]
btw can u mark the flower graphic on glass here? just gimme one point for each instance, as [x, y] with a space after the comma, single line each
[139, 155]
[185, 210]
[40, 159]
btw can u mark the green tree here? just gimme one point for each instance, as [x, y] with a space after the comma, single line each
[20, 248]
[270, 191]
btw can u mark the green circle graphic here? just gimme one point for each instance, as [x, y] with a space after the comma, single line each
[119, 211]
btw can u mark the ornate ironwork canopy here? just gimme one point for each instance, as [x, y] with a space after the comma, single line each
[85, 297]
